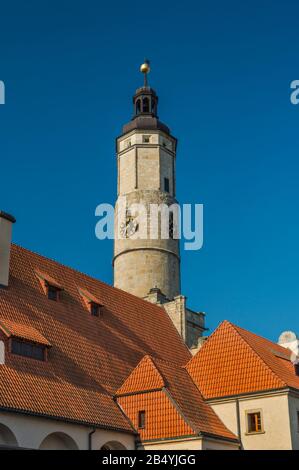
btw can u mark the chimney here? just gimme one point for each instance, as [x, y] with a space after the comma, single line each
[6, 222]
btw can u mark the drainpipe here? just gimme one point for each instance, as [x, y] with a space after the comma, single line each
[239, 423]
[90, 438]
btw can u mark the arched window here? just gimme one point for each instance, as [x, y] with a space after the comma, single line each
[138, 106]
[7, 437]
[145, 105]
[113, 445]
[58, 441]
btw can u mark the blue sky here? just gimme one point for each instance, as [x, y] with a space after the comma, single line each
[222, 71]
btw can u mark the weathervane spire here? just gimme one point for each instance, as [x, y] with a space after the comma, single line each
[145, 69]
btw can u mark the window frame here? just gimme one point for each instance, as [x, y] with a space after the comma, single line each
[35, 346]
[51, 288]
[97, 312]
[146, 139]
[141, 419]
[252, 412]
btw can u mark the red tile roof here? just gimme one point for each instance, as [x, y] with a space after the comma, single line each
[235, 361]
[90, 356]
[26, 332]
[162, 420]
[183, 410]
[144, 377]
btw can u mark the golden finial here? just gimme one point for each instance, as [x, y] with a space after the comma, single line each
[145, 69]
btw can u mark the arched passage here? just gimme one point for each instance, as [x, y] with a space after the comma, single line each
[58, 441]
[113, 445]
[7, 437]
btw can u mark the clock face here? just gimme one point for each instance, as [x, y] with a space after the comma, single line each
[128, 228]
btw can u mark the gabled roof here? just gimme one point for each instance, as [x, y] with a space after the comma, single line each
[235, 361]
[184, 410]
[145, 377]
[90, 356]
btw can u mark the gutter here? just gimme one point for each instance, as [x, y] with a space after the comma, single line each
[239, 422]
[90, 438]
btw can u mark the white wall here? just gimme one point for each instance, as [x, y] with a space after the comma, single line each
[196, 443]
[30, 432]
[276, 433]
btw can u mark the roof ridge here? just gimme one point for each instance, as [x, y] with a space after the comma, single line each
[89, 277]
[223, 322]
[235, 328]
[180, 411]
[157, 369]
[277, 345]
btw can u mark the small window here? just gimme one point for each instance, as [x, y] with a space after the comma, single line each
[141, 419]
[146, 105]
[297, 421]
[146, 139]
[52, 292]
[171, 225]
[166, 185]
[128, 144]
[254, 422]
[95, 309]
[22, 348]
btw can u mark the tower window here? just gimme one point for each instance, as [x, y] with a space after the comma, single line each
[146, 139]
[146, 107]
[52, 292]
[171, 226]
[254, 422]
[166, 185]
[22, 348]
[95, 309]
[141, 419]
[128, 143]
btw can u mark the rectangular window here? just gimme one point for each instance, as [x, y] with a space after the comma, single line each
[128, 144]
[52, 293]
[141, 419]
[146, 139]
[166, 185]
[94, 309]
[34, 351]
[254, 422]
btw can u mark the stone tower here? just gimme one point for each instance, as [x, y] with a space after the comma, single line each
[145, 266]
[146, 153]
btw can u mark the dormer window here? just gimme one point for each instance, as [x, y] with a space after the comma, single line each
[49, 285]
[92, 303]
[24, 340]
[95, 309]
[52, 292]
[27, 349]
